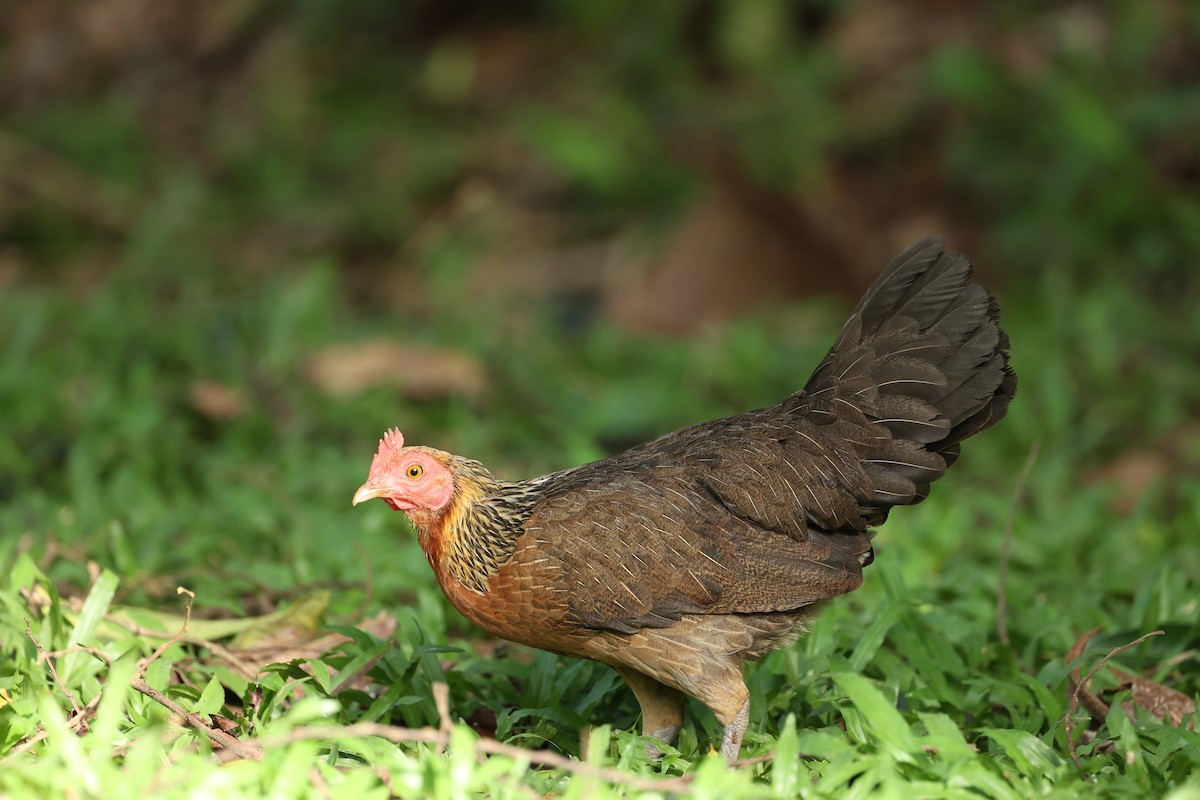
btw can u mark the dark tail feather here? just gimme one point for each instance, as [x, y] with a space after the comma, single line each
[922, 357]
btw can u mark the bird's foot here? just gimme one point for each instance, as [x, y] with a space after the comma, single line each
[731, 741]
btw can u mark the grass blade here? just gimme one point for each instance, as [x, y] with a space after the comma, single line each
[880, 714]
[94, 608]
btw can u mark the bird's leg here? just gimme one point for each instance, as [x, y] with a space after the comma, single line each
[735, 730]
[662, 708]
[726, 694]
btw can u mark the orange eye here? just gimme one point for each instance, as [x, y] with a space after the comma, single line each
[415, 471]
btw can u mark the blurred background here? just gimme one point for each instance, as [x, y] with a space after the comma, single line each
[239, 238]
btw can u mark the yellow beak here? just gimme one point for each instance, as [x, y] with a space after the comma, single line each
[367, 492]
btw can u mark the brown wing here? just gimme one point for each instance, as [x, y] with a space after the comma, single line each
[769, 510]
[684, 527]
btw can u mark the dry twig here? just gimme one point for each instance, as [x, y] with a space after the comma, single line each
[77, 723]
[78, 719]
[145, 663]
[76, 709]
[235, 662]
[765, 758]
[1068, 723]
[215, 735]
[433, 736]
[441, 699]
[232, 747]
[247, 750]
[79, 648]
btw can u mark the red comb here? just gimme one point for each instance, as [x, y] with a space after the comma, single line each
[391, 442]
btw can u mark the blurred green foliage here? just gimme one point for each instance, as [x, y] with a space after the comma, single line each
[239, 187]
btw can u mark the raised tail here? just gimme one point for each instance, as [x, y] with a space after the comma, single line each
[920, 365]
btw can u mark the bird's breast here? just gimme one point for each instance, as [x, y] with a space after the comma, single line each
[522, 601]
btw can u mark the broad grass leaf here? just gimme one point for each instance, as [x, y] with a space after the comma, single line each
[944, 735]
[320, 672]
[875, 633]
[1031, 755]
[980, 777]
[394, 696]
[94, 608]
[823, 744]
[785, 774]
[212, 699]
[879, 713]
[362, 662]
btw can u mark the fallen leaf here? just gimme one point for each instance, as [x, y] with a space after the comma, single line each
[217, 401]
[224, 723]
[420, 371]
[1161, 701]
[296, 623]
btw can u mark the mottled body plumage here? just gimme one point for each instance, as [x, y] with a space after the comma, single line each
[680, 559]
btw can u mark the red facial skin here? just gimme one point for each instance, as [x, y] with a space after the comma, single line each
[415, 480]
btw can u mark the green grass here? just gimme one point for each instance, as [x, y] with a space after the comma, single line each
[902, 689]
[336, 182]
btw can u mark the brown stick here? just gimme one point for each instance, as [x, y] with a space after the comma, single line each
[1068, 723]
[28, 742]
[441, 699]
[145, 663]
[253, 749]
[1006, 546]
[237, 663]
[1095, 706]
[76, 709]
[217, 736]
[78, 720]
[240, 665]
[232, 744]
[79, 648]
[765, 758]
[546, 758]
[247, 750]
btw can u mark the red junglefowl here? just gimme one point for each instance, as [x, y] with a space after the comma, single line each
[681, 559]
